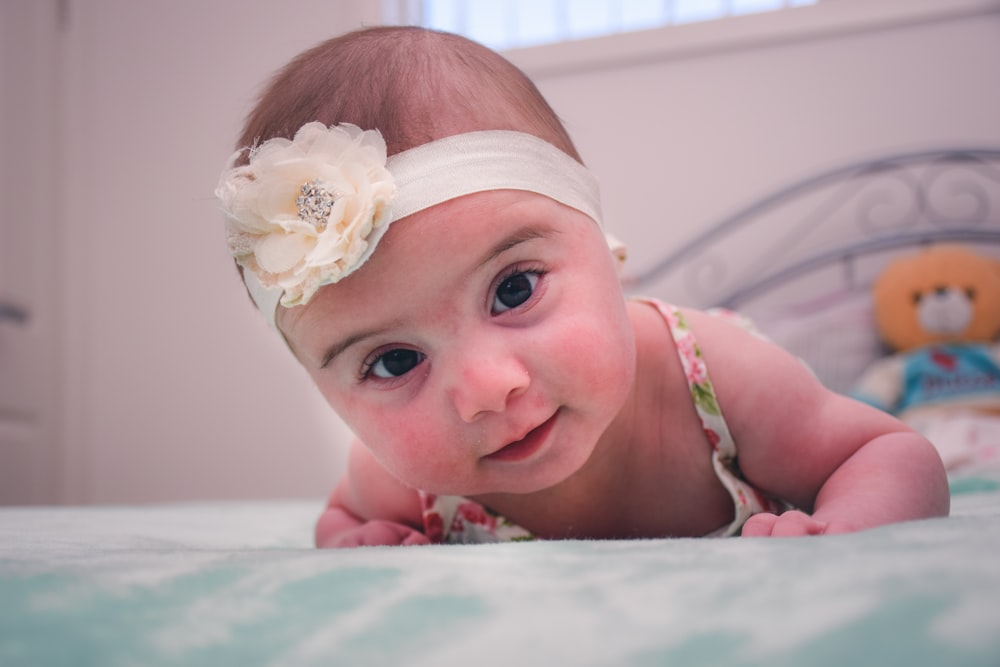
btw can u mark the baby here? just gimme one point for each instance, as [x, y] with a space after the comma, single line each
[458, 305]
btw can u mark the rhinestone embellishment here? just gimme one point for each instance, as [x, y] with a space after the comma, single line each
[315, 204]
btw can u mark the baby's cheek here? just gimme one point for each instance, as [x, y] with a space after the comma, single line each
[406, 447]
[597, 354]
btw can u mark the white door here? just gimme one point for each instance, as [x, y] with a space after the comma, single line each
[28, 263]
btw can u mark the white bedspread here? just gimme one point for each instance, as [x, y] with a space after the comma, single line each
[238, 584]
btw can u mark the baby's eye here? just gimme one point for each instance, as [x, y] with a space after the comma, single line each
[393, 363]
[514, 290]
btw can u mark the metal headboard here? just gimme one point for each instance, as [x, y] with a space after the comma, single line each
[838, 217]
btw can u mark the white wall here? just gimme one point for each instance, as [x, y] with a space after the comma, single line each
[176, 387]
[172, 387]
[28, 267]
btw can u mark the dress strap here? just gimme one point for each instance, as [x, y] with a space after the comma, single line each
[747, 500]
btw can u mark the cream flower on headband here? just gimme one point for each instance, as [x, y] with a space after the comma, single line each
[301, 213]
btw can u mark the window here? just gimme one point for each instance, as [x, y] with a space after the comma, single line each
[505, 24]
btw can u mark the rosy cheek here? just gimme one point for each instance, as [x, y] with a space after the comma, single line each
[600, 346]
[402, 439]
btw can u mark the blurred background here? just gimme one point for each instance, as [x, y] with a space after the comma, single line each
[133, 368]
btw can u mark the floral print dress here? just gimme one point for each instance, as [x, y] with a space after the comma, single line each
[458, 520]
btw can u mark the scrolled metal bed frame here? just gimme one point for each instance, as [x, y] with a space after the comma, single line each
[836, 218]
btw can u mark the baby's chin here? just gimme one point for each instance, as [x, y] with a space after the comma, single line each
[518, 483]
[483, 491]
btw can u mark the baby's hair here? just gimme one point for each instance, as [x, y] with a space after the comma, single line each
[412, 84]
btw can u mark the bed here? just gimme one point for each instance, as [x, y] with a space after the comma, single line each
[238, 583]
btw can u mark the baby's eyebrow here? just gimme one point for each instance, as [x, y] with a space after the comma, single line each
[339, 347]
[342, 345]
[519, 236]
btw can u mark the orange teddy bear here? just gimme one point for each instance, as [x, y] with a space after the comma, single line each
[939, 311]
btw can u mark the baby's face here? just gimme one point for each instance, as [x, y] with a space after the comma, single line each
[484, 347]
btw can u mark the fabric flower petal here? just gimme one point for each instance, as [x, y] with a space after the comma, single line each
[278, 253]
[301, 211]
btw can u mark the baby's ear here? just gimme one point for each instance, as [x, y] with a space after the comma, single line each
[620, 252]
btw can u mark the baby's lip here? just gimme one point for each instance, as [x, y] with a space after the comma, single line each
[524, 447]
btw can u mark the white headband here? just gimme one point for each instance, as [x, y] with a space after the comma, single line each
[307, 212]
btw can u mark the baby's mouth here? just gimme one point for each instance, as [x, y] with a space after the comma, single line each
[522, 449]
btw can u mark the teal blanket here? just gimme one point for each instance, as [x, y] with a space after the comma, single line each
[238, 584]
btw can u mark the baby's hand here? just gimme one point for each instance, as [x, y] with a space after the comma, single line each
[790, 524]
[374, 533]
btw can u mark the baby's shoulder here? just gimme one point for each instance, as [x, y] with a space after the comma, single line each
[747, 370]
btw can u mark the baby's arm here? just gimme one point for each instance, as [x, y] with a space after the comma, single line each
[369, 507]
[846, 465]
[894, 476]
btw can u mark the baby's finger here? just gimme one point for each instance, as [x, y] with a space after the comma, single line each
[796, 524]
[415, 538]
[386, 533]
[759, 525]
[375, 534]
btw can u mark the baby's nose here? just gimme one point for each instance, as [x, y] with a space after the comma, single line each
[486, 383]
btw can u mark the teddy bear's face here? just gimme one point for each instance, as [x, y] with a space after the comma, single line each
[945, 293]
[945, 310]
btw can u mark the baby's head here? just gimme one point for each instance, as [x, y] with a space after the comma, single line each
[424, 220]
[413, 85]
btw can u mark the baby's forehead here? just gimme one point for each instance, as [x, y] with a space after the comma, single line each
[462, 237]
[453, 230]
[482, 208]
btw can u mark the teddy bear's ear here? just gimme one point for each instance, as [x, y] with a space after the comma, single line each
[987, 318]
[893, 300]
